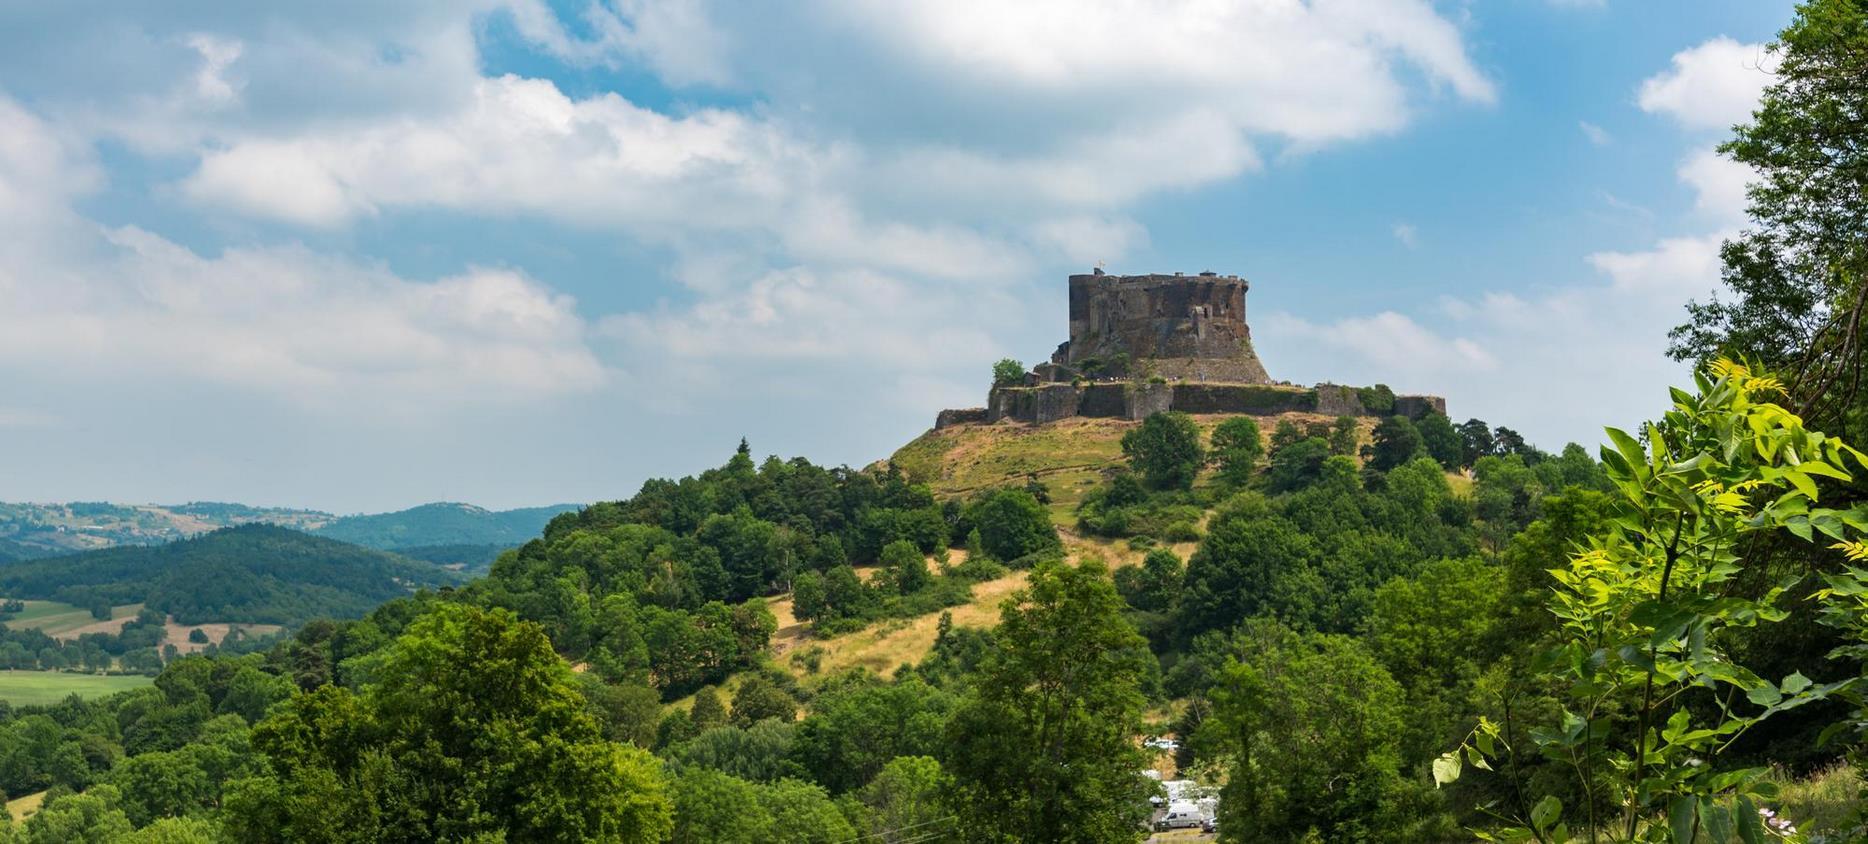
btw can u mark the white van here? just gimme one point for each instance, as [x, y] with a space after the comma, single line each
[1181, 816]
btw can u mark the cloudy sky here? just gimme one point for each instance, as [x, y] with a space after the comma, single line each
[361, 255]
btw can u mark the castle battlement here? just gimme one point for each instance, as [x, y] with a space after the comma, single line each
[1183, 326]
[1142, 344]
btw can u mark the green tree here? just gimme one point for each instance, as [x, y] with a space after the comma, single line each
[1297, 465]
[1043, 749]
[858, 724]
[175, 831]
[907, 568]
[904, 802]
[808, 601]
[1154, 586]
[714, 808]
[1798, 275]
[162, 784]
[1313, 724]
[1441, 440]
[1396, 441]
[707, 711]
[1345, 436]
[1475, 441]
[758, 698]
[1165, 450]
[801, 812]
[1012, 524]
[1236, 449]
[88, 818]
[474, 728]
[1008, 373]
[1651, 697]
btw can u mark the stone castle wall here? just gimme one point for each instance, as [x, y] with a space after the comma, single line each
[1181, 343]
[1044, 403]
[1188, 327]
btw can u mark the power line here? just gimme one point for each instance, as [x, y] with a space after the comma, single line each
[902, 829]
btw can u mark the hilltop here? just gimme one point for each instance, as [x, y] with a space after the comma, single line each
[443, 532]
[443, 523]
[252, 573]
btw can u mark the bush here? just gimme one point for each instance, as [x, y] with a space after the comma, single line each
[978, 569]
[1013, 524]
[1182, 532]
[1165, 450]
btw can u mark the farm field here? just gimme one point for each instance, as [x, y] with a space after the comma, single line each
[55, 618]
[40, 688]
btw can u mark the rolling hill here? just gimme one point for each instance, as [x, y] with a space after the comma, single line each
[252, 573]
[444, 523]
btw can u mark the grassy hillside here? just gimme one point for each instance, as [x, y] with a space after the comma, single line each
[253, 573]
[1069, 456]
[443, 524]
[44, 688]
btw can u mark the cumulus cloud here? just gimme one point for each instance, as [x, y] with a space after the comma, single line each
[821, 229]
[1573, 350]
[282, 320]
[1406, 235]
[1714, 85]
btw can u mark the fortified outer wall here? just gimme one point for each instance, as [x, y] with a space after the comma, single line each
[1188, 327]
[1044, 403]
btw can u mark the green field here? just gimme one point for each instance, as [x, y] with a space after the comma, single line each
[55, 618]
[38, 688]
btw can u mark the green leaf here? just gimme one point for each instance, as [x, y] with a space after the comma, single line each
[1474, 758]
[1680, 814]
[1765, 695]
[1750, 826]
[1716, 819]
[1445, 769]
[1626, 445]
[1795, 683]
[1546, 812]
[1803, 483]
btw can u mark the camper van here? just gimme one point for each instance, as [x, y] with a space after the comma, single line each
[1181, 816]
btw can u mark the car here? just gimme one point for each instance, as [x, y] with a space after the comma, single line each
[1161, 743]
[1211, 824]
[1181, 816]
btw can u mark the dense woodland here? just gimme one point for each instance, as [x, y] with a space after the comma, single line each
[1431, 632]
[254, 573]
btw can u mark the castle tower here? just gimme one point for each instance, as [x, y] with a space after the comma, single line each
[1186, 327]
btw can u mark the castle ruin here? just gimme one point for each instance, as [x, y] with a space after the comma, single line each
[1143, 344]
[1191, 328]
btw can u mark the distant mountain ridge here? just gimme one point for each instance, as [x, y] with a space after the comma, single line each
[255, 573]
[444, 523]
[31, 531]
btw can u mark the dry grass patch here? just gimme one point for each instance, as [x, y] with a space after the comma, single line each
[25, 807]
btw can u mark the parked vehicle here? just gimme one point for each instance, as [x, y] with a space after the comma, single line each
[1165, 744]
[1181, 816]
[1211, 824]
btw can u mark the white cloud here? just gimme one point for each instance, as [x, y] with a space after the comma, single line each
[1718, 185]
[1711, 86]
[278, 320]
[1596, 134]
[1674, 270]
[1405, 233]
[675, 36]
[845, 239]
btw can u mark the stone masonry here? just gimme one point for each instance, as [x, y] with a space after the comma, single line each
[1143, 344]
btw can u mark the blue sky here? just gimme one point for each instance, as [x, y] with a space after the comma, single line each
[358, 256]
